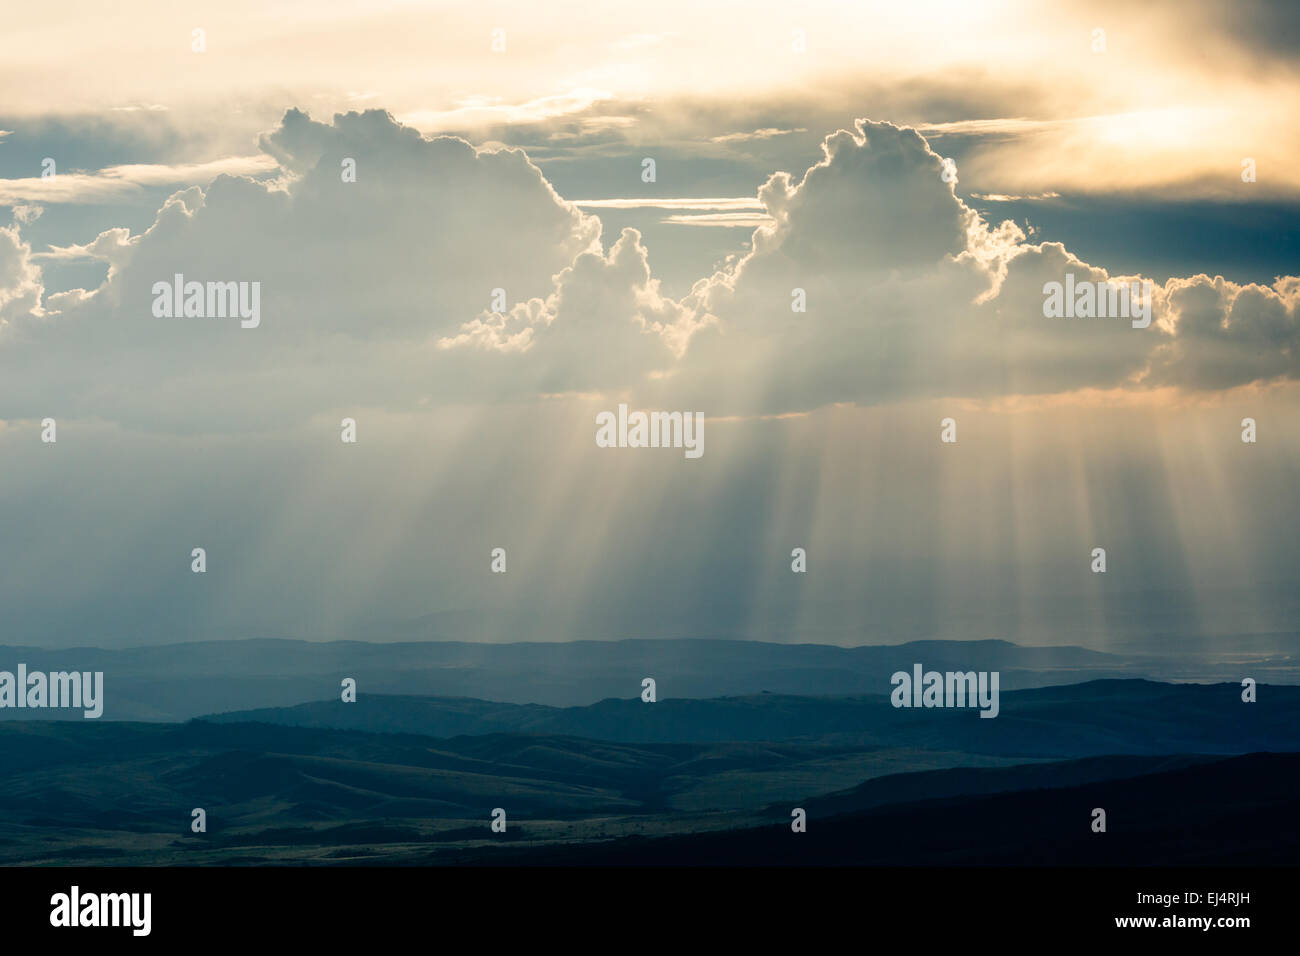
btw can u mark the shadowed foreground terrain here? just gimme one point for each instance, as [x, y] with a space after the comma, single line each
[1186, 773]
[1234, 811]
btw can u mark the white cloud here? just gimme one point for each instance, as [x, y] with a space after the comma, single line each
[112, 246]
[27, 214]
[911, 294]
[20, 280]
[358, 281]
[480, 114]
[650, 202]
[765, 133]
[730, 220]
[380, 291]
[114, 182]
[1003, 197]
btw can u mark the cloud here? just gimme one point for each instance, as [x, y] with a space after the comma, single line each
[358, 280]
[616, 327]
[986, 127]
[380, 292]
[479, 114]
[114, 182]
[20, 279]
[728, 212]
[27, 214]
[650, 202]
[112, 246]
[1228, 334]
[731, 220]
[476, 421]
[765, 133]
[1002, 197]
[911, 294]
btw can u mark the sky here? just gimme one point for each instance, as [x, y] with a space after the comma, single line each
[457, 245]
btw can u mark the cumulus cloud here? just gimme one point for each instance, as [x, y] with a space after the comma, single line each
[911, 294]
[1228, 334]
[616, 326]
[112, 246]
[380, 291]
[20, 279]
[358, 280]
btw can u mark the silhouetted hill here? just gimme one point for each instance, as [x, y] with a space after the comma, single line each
[180, 681]
[974, 781]
[1098, 717]
[1237, 810]
[102, 790]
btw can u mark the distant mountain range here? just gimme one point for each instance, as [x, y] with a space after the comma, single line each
[1097, 717]
[1198, 625]
[556, 734]
[180, 681]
